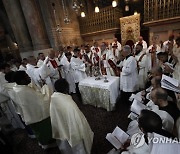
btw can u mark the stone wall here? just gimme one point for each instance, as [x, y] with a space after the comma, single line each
[163, 28]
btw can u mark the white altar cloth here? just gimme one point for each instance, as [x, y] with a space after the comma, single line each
[100, 93]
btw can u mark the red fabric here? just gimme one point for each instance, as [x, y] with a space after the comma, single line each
[54, 63]
[97, 50]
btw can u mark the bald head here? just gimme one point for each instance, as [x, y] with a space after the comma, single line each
[156, 82]
[156, 71]
[158, 95]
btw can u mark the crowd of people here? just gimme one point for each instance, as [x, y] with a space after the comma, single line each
[40, 90]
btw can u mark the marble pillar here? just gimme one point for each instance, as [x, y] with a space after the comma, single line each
[18, 24]
[50, 23]
[35, 24]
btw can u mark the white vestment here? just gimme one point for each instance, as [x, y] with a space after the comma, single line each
[176, 73]
[164, 145]
[129, 75]
[40, 63]
[34, 105]
[93, 50]
[105, 56]
[2, 82]
[22, 68]
[166, 46]
[78, 68]
[36, 74]
[143, 69]
[68, 122]
[68, 73]
[138, 145]
[167, 120]
[149, 59]
[9, 108]
[144, 44]
[118, 45]
[54, 72]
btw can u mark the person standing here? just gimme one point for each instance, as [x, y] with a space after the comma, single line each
[107, 64]
[128, 75]
[117, 44]
[78, 67]
[41, 59]
[142, 66]
[141, 41]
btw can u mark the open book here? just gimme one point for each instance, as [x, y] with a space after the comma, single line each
[136, 107]
[170, 83]
[117, 138]
[136, 97]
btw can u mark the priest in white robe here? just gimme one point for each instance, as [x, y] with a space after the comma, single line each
[54, 66]
[96, 50]
[68, 122]
[149, 123]
[67, 71]
[141, 41]
[118, 44]
[87, 57]
[129, 74]
[22, 67]
[41, 59]
[107, 61]
[142, 66]
[78, 67]
[34, 107]
[39, 75]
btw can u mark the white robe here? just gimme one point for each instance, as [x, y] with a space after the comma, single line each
[94, 52]
[138, 145]
[40, 63]
[68, 73]
[22, 68]
[176, 73]
[109, 55]
[34, 105]
[9, 108]
[129, 75]
[143, 69]
[54, 72]
[36, 74]
[2, 83]
[118, 45]
[164, 148]
[68, 122]
[144, 44]
[78, 68]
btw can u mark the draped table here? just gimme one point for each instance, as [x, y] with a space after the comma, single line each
[99, 93]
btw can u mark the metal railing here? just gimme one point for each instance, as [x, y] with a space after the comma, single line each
[107, 18]
[161, 9]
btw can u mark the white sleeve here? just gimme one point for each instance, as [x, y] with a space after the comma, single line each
[130, 67]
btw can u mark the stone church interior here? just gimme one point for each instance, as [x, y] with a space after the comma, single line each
[90, 76]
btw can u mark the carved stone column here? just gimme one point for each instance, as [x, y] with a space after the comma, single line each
[18, 24]
[35, 24]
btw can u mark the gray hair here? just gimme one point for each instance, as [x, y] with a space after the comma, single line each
[127, 48]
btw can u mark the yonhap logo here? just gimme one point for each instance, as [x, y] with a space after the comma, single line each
[163, 140]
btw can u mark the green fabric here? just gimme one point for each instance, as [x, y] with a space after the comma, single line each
[43, 131]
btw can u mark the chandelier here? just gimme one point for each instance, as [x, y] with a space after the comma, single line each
[58, 28]
[66, 16]
[76, 6]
